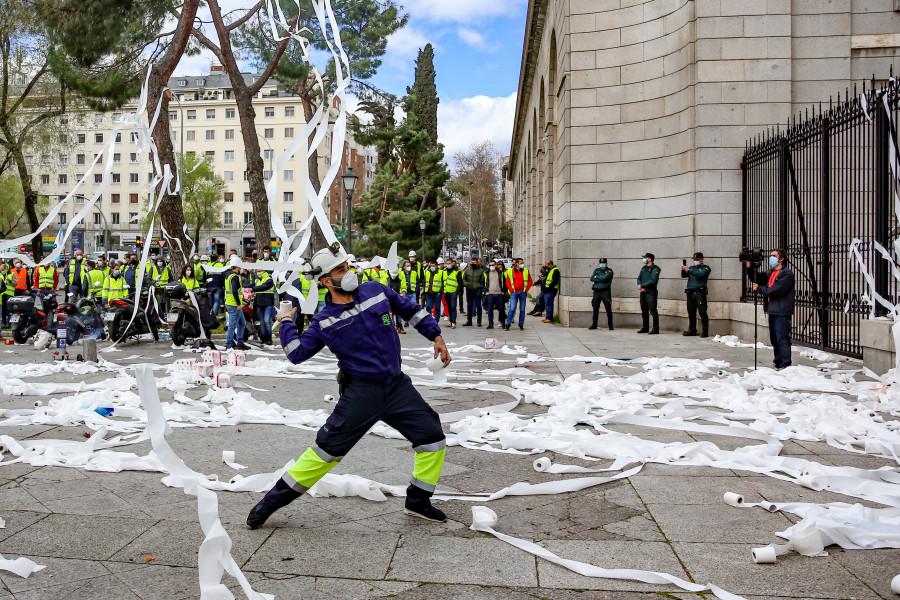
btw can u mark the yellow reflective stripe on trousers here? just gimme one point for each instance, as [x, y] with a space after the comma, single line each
[308, 469]
[427, 469]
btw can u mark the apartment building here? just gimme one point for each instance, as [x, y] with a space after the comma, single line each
[204, 120]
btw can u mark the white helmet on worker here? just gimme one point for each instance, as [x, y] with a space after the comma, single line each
[412, 253]
[324, 261]
[440, 260]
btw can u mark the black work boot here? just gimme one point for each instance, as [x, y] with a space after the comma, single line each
[418, 504]
[593, 326]
[278, 497]
[690, 333]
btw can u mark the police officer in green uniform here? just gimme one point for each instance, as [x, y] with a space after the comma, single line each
[696, 291]
[647, 281]
[602, 279]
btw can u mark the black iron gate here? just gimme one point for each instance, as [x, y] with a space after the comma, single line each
[812, 190]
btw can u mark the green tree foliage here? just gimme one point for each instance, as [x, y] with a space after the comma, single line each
[97, 47]
[423, 98]
[410, 181]
[203, 194]
[13, 220]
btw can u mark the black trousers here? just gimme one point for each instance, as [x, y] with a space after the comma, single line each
[648, 309]
[780, 336]
[604, 296]
[363, 404]
[696, 302]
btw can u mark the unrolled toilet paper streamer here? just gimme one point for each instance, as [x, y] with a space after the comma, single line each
[21, 566]
[214, 557]
[484, 519]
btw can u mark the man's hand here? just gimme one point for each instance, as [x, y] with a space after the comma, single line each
[440, 348]
[684, 267]
[291, 313]
[641, 289]
[755, 286]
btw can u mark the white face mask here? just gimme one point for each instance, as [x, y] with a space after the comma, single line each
[407, 269]
[349, 282]
[696, 263]
[159, 264]
[188, 272]
[493, 268]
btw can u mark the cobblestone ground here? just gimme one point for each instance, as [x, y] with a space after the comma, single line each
[125, 536]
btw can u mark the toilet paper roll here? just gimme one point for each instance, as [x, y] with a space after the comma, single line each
[235, 479]
[764, 556]
[285, 306]
[483, 517]
[732, 499]
[434, 364]
[328, 398]
[895, 585]
[811, 482]
[2, 448]
[542, 464]
[38, 403]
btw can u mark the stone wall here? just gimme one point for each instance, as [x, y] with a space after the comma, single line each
[632, 121]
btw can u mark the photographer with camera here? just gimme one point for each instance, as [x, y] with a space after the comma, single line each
[777, 289]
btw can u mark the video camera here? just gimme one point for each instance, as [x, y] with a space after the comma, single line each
[752, 258]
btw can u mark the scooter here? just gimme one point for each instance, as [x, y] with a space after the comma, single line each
[119, 318]
[188, 310]
[25, 316]
[83, 319]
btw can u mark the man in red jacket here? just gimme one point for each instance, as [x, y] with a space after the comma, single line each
[518, 282]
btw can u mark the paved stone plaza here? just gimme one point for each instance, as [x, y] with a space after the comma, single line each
[126, 536]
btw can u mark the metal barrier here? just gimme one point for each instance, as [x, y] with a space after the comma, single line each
[814, 188]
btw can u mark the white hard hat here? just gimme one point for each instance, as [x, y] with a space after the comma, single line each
[462, 266]
[324, 261]
[235, 260]
[412, 252]
[440, 260]
[204, 257]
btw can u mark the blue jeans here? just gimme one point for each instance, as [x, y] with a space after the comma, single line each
[433, 302]
[236, 323]
[474, 305]
[780, 336]
[320, 305]
[266, 314]
[516, 298]
[451, 305]
[216, 299]
[494, 301]
[549, 299]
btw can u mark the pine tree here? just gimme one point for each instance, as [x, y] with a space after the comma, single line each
[411, 178]
[423, 94]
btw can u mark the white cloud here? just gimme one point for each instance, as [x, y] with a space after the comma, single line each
[472, 38]
[462, 123]
[403, 48]
[464, 11]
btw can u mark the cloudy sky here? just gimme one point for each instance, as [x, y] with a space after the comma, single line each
[478, 51]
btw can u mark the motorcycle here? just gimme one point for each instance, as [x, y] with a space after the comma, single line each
[119, 318]
[83, 319]
[188, 310]
[25, 316]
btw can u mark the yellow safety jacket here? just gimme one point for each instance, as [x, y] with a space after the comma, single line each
[46, 275]
[96, 279]
[451, 282]
[159, 276]
[261, 278]
[408, 282]
[434, 282]
[230, 298]
[190, 283]
[115, 288]
[10, 279]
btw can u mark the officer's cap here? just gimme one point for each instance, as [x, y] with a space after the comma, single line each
[603, 260]
[698, 256]
[650, 256]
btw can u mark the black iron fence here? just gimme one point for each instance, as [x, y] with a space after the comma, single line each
[814, 188]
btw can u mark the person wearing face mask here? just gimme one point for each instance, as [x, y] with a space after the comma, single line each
[22, 286]
[234, 300]
[356, 326]
[452, 285]
[115, 287]
[473, 280]
[188, 278]
[46, 278]
[492, 284]
[647, 281]
[602, 280]
[777, 289]
[96, 281]
[7, 289]
[409, 286]
[264, 296]
[697, 276]
[518, 282]
[75, 275]
[160, 275]
[434, 289]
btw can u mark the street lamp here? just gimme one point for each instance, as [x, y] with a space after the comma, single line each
[349, 178]
[422, 227]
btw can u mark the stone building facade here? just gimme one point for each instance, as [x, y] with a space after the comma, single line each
[632, 119]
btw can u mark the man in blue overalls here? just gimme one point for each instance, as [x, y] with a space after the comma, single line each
[356, 326]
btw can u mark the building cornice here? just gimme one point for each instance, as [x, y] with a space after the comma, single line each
[531, 47]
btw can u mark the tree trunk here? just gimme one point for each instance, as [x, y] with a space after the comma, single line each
[317, 240]
[170, 212]
[255, 165]
[31, 200]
